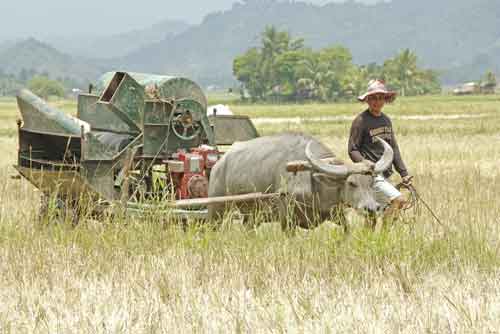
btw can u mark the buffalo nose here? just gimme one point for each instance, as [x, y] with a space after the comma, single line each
[373, 209]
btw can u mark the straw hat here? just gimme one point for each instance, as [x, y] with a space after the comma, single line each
[378, 87]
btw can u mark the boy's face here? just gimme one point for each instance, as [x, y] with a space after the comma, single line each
[376, 102]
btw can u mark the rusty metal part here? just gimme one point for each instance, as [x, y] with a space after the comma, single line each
[66, 183]
[125, 187]
[198, 186]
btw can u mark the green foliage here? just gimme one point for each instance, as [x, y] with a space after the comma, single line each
[9, 86]
[45, 87]
[489, 81]
[404, 75]
[283, 69]
[490, 78]
[36, 81]
[247, 69]
[268, 71]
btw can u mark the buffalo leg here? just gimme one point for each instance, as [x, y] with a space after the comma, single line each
[216, 212]
[285, 207]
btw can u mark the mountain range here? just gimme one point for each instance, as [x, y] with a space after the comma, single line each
[119, 44]
[33, 55]
[460, 38]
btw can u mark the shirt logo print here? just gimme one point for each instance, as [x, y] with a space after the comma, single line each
[384, 132]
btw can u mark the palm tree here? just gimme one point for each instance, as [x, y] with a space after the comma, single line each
[315, 76]
[274, 44]
[405, 69]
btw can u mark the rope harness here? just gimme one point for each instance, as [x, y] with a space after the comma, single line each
[414, 201]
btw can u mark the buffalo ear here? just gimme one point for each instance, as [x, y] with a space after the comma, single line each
[328, 180]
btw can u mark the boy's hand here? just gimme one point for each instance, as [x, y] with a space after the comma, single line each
[369, 164]
[407, 180]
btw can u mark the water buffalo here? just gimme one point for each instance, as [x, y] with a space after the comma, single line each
[260, 165]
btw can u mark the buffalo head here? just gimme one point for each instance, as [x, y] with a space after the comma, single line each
[350, 184]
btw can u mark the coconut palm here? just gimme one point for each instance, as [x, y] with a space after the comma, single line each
[314, 76]
[402, 70]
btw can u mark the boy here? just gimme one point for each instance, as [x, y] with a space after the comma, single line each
[363, 148]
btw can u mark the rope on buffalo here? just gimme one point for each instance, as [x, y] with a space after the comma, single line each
[415, 199]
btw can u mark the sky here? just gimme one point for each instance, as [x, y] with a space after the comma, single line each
[63, 18]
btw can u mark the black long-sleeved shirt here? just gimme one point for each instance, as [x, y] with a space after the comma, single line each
[362, 144]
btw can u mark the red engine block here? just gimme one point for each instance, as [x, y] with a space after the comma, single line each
[191, 181]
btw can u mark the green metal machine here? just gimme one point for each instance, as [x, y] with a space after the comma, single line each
[136, 137]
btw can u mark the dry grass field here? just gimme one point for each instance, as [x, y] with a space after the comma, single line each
[142, 276]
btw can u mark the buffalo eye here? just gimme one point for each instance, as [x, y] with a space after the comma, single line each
[352, 184]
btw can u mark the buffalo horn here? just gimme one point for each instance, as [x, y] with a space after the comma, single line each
[334, 170]
[385, 162]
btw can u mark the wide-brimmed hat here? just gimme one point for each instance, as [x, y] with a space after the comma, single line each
[378, 87]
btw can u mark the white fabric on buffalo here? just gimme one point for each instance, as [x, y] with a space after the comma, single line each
[221, 110]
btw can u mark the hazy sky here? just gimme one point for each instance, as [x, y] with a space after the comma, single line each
[44, 18]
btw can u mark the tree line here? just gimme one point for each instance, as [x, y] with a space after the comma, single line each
[282, 68]
[40, 83]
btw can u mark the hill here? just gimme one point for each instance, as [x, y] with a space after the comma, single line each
[31, 55]
[447, 35]
[5, 45]
[120, 44]
[488, 60]
[460, 38]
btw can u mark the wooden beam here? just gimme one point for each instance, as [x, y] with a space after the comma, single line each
[199, 202]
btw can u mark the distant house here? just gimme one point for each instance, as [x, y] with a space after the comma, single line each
[468, 88]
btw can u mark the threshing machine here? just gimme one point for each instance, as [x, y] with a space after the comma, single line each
[136, 139]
